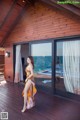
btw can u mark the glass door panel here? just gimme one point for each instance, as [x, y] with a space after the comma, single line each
[68, 66]
[42, 54]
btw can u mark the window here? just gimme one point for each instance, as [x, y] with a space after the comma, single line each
[42, 54]
[68, 66]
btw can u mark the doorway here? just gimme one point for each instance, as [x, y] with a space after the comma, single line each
[67, 68]
[24, 55]
[21, 54]
[53, 67]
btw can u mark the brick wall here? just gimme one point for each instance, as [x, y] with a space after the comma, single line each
[40, 22]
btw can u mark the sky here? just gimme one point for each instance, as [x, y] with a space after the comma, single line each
[42, 49]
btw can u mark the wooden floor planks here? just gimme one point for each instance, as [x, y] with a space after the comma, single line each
[47, 107]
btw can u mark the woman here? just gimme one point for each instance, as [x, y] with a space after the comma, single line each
[29, 89]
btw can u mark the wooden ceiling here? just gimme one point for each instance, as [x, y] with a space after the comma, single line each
[10, 13]
[12, 10]
[74, 8]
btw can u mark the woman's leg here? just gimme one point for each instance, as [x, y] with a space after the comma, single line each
[30, 102]
[27, 86]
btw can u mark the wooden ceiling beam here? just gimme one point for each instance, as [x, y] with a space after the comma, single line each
[78, 6]
[14, 24]
[68, 7]
[72, 8]
[21, 5]
[8, 14]
[48, 2]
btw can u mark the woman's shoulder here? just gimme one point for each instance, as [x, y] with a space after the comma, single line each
[31, 66]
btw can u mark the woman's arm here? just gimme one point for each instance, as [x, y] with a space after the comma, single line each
[31, 70]
[26, 69]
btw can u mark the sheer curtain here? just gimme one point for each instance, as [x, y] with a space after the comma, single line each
[18, 65]
[71, 66]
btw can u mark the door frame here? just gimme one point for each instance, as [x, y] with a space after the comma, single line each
[58, 92]
[14, 55]
[42, 88]
[54, 43]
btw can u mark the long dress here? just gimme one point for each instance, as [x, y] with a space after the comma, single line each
[32, 90]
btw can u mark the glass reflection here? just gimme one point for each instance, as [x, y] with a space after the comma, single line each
[68, 66]
[42, 54]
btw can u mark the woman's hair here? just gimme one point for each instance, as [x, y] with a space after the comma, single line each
[32, 61]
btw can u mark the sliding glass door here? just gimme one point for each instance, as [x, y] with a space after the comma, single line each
[67, 71]
[42, 54]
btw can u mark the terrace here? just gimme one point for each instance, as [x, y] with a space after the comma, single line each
[47, 107]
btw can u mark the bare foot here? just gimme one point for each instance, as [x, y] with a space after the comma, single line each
[24, 109]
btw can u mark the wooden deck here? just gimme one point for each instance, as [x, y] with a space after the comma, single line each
[47, 107]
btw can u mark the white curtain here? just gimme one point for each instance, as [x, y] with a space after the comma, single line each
[71, 66]
[18, 65]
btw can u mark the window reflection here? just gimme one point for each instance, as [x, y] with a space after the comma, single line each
[68, 66]
[42, 54]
